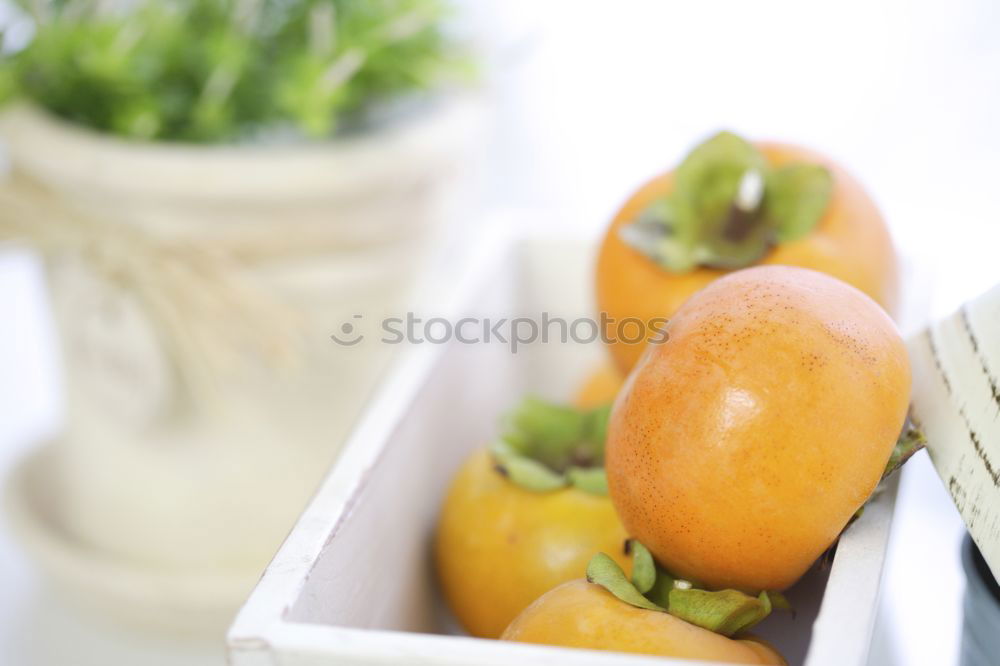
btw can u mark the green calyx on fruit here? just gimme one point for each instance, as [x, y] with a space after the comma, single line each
[546, 446]
[911, 440]
[726, 612]
[728, 207]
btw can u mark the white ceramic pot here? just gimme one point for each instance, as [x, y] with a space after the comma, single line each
[328, 195]
[196, 289]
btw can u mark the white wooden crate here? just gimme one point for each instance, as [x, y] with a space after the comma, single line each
[353, 583]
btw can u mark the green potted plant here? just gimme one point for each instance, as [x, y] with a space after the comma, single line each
[216, 186]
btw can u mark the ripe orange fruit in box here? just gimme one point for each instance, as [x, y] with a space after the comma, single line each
[740, 448]
[499, 547]
[600, 387]
[803, 210]
[527, 514]
[584, 615]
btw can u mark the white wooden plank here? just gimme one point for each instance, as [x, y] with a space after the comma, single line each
[957, 403]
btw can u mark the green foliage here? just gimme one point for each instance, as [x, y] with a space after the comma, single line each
[227, 70]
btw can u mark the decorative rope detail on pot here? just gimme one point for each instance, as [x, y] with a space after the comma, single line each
[208, 315]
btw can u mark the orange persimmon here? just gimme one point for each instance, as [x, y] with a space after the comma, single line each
[739, 449]
[500, 546]
[849, 241]
[600, 387]
[584, 615]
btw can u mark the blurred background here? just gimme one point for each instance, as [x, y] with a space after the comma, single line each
[440, 118]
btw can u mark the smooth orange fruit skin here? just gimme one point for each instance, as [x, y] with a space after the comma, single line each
[600, 387]
[499, 547]
[739, 448]
[583, 615]
[851, 242]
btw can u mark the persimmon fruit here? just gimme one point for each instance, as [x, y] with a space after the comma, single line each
[849, 241]
[499, 547]
[584, 615]
[740, 447]
[600, 387]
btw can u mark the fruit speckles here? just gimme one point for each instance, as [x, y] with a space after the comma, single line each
[739, 450]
